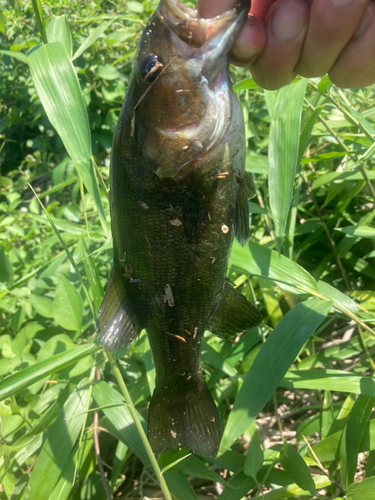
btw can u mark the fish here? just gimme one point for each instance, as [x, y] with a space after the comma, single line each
[178, 197]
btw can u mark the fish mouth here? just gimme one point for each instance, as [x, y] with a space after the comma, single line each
[195, 31]
[200, 47]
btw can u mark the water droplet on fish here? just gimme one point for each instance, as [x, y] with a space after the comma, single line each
[175, 222]
[143, 205]
[169, 295]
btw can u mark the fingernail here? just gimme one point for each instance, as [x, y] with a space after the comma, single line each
[342, 3]
[365, 21]
[288, 21]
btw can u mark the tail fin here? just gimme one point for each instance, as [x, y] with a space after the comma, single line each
[187, 418]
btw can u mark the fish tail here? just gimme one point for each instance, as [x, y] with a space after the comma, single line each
[184, 418]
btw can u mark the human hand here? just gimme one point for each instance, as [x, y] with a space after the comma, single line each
[285, 38]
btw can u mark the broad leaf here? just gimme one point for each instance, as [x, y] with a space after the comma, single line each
[268, 264]
[68, 305]
[58, 89]
[363, 490]
[283, 152]
[59, 443]
[271, 364]
[38, 371]
[58, 31]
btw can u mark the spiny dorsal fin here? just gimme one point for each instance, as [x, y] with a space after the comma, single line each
[116, 322]
[234, 314]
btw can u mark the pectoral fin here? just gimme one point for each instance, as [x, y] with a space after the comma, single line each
[116, 322]
[234, 314]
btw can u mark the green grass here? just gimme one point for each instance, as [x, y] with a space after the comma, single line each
[295, 395]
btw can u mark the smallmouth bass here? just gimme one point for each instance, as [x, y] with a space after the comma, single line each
[178, 198]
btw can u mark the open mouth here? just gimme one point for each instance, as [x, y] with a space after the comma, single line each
[195, 31]
[184, 22]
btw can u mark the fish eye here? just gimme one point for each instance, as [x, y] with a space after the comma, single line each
[150, 68]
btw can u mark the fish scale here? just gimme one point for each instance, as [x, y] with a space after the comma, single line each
[177, 200]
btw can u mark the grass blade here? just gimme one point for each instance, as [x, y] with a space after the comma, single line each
[37, 7]
[60, 442]
[67, 306]
[352, 437]
[94, 35]
[38, 371]
[255, 456]
[363, 490]
[283, 152]
[16, 54]
[269, 264]
[125, 424]
[121, 421]
[269, 367]
[295, 466]
[329, 380]
[58, 89]
[58, 31]
[358, 231]
[93, 277]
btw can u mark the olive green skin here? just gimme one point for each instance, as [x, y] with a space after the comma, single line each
[152, 245]
[172, 234]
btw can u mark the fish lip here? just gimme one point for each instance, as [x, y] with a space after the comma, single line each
[195, 31]
[183, 12]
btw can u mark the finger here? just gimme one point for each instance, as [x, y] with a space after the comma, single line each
[259, 8]
[250, 42]
[286, 26]
[331, 26]
[355, 66]
[212, 8]
[252, 38]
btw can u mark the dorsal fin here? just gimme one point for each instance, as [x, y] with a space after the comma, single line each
[234, 314]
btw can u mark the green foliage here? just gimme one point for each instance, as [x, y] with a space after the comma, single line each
[309, 267]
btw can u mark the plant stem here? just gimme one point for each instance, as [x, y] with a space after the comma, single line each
[141, 432]
[345, 311]
[328, 235]
[358, 124]
[330, 129]
[97, 448]
[83, 204]
[70, 256]
[322, 468]
[100, 178]
[37, 7]
[365, 348]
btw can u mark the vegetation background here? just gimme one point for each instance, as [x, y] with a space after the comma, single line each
[295, 395]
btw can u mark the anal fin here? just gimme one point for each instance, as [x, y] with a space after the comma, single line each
[234, 314]
[116, 322]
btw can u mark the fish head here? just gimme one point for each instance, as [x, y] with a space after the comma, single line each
[184, 92]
